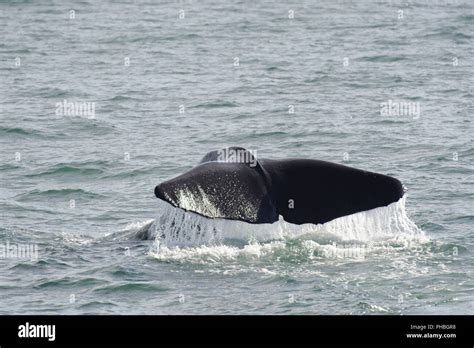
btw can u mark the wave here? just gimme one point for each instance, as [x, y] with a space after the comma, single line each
[181, 236]
[51, 92]
[19, 131]
[121, 97]
[70, 282]
[183, 228]
[63, 169]
[127, 287]
[130, 173]
[58, 193]
[8, 166]
[256, 135]
[449, 32]
[294, 251]
[216, 104]
[381, 58]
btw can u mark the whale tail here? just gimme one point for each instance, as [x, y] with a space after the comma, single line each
[313, 191]
[232, 184]
[228, 183]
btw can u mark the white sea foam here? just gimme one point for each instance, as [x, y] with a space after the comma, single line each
[176, 227]
[186, 236]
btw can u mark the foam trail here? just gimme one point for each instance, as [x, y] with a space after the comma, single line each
[289, 251]
[178, 228]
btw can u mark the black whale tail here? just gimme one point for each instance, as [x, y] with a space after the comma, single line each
[228, 184]
[231, 184]
[392, 187]
[160, 193]
[312, 191]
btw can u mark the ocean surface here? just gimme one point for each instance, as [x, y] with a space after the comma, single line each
[165, 82]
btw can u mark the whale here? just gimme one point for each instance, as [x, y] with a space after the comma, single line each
[232, 183]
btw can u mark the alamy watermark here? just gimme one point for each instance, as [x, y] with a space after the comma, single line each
[237, 155]
[78, 109]
[28, 330]
[400, 108]
[356, 251]
[18, 251]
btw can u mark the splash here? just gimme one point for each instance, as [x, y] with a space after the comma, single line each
[181, 235]
[176, 227]
[295, 251]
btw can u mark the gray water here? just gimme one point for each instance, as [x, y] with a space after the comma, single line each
[167, 90]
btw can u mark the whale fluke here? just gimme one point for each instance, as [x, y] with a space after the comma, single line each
[233, 184]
